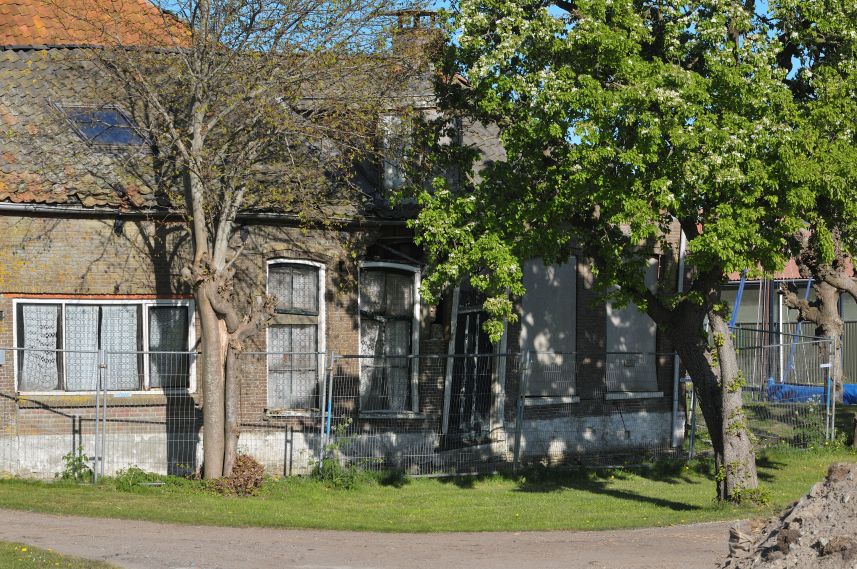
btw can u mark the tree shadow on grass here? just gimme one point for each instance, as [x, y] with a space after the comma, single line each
[766, 466]
[599, 481]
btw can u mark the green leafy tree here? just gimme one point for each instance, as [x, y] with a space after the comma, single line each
[625, 123]
[819, 53]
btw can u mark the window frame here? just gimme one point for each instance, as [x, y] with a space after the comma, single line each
[321, 331]
[144, 305]
[396, 139]
[415, 330]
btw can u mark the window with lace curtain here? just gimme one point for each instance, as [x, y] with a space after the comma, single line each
[144, 343]
[388, 336]
[294, 337]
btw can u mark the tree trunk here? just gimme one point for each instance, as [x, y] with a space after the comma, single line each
[232, 410]
[212, 386]
[738, 468]
[829, 325]
[717, 383]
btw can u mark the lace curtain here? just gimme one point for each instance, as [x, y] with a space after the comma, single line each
[386, 306]
[39, 363]
[292, 366]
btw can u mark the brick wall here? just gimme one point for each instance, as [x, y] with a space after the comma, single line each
[96, 259]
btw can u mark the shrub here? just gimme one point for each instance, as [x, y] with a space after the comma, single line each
[333, 474]
[246, 478]
[134, 476]
[75, 467]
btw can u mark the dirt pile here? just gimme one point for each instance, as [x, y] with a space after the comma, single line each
[818, 531]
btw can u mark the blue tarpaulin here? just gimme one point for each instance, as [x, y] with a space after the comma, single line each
[791, 393]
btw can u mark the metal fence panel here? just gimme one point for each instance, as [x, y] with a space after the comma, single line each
[429, 414]
[788, 395]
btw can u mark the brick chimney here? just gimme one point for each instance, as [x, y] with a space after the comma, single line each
[416, 34]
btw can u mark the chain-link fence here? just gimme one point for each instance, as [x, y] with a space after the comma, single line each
[788, 395]
[429, 414]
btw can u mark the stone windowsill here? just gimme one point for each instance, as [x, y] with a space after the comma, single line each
[391, 415]
[129, 398]
[556, 400]
[292, 413]
[623, 395]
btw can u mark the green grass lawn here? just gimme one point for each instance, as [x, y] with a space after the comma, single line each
[20, 555]
[540, 500]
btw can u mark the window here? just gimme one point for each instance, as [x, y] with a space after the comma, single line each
[549, 330]
[395, 135]
[631, 346]
[105, 126]
[388, 334]
[297, 335]
[145, 345]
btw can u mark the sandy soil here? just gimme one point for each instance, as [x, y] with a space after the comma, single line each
[817, 532]
[145, 545]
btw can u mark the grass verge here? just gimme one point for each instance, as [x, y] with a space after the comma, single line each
[20, 555]
[539, 500]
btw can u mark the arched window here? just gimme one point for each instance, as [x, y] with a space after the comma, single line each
[296, 336]
[389, 301]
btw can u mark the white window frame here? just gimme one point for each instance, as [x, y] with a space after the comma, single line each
[415, 330]
[321, 339]
[145, 304]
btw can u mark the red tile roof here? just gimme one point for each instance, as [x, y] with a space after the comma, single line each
[25, 23]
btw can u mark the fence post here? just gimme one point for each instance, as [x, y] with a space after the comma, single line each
[676, 435]
[834, 354]
[327, 380]
[691, 450]
[329, 397]
[519, 417]
[100, 422]
[829, 392]
[96, 454]
[104, 382]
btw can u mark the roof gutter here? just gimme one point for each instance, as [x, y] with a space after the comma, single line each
[248, 217]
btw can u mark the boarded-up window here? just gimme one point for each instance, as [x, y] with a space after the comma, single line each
[293, 339]
[549, 327]
[386, 331]
[631, 345]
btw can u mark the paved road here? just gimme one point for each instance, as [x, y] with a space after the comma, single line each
[145, 545]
